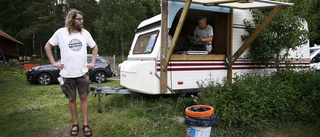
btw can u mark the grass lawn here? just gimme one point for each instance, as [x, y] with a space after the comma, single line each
[42, 111]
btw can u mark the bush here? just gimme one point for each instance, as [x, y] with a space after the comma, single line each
[260, 98]
[11, 65]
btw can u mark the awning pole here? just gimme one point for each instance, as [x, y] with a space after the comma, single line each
[164, 47]
[229, 49]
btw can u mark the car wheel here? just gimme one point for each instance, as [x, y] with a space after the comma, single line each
[44, 79]
[99, 77]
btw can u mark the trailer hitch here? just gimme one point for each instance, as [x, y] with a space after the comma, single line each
[98, 90]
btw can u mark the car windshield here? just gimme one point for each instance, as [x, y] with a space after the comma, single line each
[312, 51]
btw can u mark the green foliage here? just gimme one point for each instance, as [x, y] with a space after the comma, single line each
[91, 12]
[119, 20]
[11, 18]
[142, 115]
[12, 65]
[305, 95]
[308, 10]
[39, 23]
[112, 23]
[286, 32]
[258, 99]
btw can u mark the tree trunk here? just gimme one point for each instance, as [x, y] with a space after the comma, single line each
[122, 47]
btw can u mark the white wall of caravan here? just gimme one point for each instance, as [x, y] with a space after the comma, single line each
[191, 79]
[239, 29]
[139, 76]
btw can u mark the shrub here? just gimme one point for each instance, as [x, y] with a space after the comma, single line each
[11, 65]
[260, 98]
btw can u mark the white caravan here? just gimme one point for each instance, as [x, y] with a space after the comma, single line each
[183, 64]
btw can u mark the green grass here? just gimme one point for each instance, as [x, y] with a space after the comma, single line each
[42, 111]
[36, 110]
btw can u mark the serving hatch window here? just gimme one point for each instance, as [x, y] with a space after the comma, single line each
[145, 43]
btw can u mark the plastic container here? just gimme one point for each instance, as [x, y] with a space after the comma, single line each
[199, 119]
[193, 131]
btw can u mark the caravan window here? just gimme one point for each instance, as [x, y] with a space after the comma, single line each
[145, 43]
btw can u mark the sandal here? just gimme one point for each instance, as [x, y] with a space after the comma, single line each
[74, 132]
[87, 133]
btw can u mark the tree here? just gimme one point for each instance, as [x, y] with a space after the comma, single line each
[12, 19]
[120, 18]
[313, 19]
[112, 26]
[91, 11]
[38, 26]
[34, 21]
[286, 32]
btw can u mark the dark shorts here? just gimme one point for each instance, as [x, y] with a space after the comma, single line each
[71, 85]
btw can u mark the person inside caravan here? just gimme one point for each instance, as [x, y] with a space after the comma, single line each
[204, 33]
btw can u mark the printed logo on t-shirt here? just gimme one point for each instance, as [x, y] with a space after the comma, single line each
[75, 45]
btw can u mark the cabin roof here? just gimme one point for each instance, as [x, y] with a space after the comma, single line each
[6, 36]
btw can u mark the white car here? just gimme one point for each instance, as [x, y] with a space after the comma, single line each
[315, 58]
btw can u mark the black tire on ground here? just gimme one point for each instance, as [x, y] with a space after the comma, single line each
[44, 79]
[100, 76]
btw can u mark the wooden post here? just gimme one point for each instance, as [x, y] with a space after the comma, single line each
[164, 46]
[229, 48]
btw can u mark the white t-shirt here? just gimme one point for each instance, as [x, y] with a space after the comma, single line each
[204, 33]
[73, 51]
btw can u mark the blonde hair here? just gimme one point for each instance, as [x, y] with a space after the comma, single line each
[69, 23]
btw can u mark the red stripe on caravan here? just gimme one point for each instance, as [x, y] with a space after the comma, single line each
[195, 64]
[239, 26]
[224, 68]
[219, 65]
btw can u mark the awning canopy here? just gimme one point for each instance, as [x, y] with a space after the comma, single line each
[241, 4]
